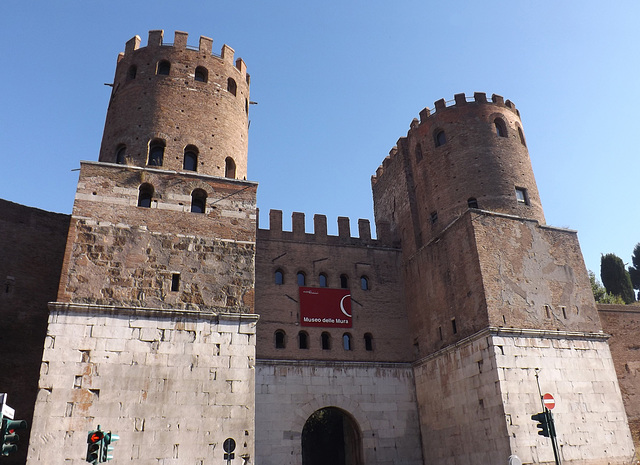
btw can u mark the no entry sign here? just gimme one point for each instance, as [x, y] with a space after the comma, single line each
[548, 401]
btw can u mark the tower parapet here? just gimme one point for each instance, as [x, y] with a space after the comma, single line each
[178, 107]
[466, 153]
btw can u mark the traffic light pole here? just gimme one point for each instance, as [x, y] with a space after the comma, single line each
[550, 424]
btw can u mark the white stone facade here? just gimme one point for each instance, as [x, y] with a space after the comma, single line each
[172, 384]
[380, 397]
[476, 399]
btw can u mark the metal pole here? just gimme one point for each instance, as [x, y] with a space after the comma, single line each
[550, 424]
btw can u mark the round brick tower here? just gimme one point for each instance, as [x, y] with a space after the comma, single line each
[178, 108]
[471, 154]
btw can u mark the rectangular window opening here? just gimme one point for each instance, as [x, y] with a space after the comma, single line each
[440, 332]
[175, 282]
[564, 312]
[547, 311]
[453, 326]
[522, 196]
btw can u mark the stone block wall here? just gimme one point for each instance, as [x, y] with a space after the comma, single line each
[479, 396]
[173, 385]
[380, 397]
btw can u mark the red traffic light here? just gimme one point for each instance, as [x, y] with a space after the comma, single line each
[95, 436]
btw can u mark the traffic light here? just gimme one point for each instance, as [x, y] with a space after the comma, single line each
[543, 423]
[107, 448]
[9, 437]
[95, 441]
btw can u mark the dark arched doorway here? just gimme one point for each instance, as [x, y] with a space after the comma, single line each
[331, 436]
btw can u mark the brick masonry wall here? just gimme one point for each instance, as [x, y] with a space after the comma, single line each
[178, 109]
[622, 323]
[31, 250]
[380, 398]
[172, 385]
[525, 267]
[122, 254]
[476, 400]
[378, 310]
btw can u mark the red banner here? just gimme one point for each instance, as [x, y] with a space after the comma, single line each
[323, 307]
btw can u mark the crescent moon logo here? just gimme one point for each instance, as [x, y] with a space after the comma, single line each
[342, 305]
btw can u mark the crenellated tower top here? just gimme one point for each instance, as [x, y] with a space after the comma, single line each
[178, 107]
[466, 153]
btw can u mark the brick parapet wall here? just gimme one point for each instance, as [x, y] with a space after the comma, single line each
[32, 244]
[622, 323]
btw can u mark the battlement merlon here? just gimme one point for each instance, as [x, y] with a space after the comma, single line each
[205, 45]
[319, 235]
[440, 105]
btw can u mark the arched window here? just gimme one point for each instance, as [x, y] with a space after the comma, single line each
[164, 67]
[368, 342]
[232, 86]
[326, 341]
[190, 162]
[198, 201]
[501, 128]
[229, 168]
[346, 341]
[344, 281]
[279, 277]
[121, 153]
[521, 136]
[472, 202]
[156, 153]
[145, 194]
[322, 280]
[280, 339]
[202, 74]
[301, 278]
[418, 152]
[303, 340]
[131, 72]
[364, 283]
[439, 138]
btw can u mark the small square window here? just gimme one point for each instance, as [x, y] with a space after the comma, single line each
[521, 195]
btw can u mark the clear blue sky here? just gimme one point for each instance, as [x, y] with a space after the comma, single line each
[337, 83]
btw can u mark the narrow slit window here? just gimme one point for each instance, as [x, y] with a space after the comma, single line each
[434, 217]
[303, 340]
[229, 168]
[454, 326]
[322, 280]
[201, 74]
[439, 138]
[156, 153]
[521, 136]
[132, 72]
[280, 339]
[164, 68]
[301, 278]
[279, 277]
[368, 342]
[344, 281]
[501, 127]
[364, 283]
[145, 194]
[418, 152]
[190, 161]
[121, 154]
[232, 87]
[326, 341]
[198, 201]
[175, 282]
[346, 341]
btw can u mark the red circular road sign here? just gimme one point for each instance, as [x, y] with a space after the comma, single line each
[548, 401]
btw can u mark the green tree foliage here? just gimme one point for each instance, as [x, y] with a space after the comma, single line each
[634, 271]
[616, 278]
[600, 293]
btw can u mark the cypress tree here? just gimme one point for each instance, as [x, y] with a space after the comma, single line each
[616, 278]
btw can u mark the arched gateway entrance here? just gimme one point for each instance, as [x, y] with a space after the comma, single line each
[331, 436]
